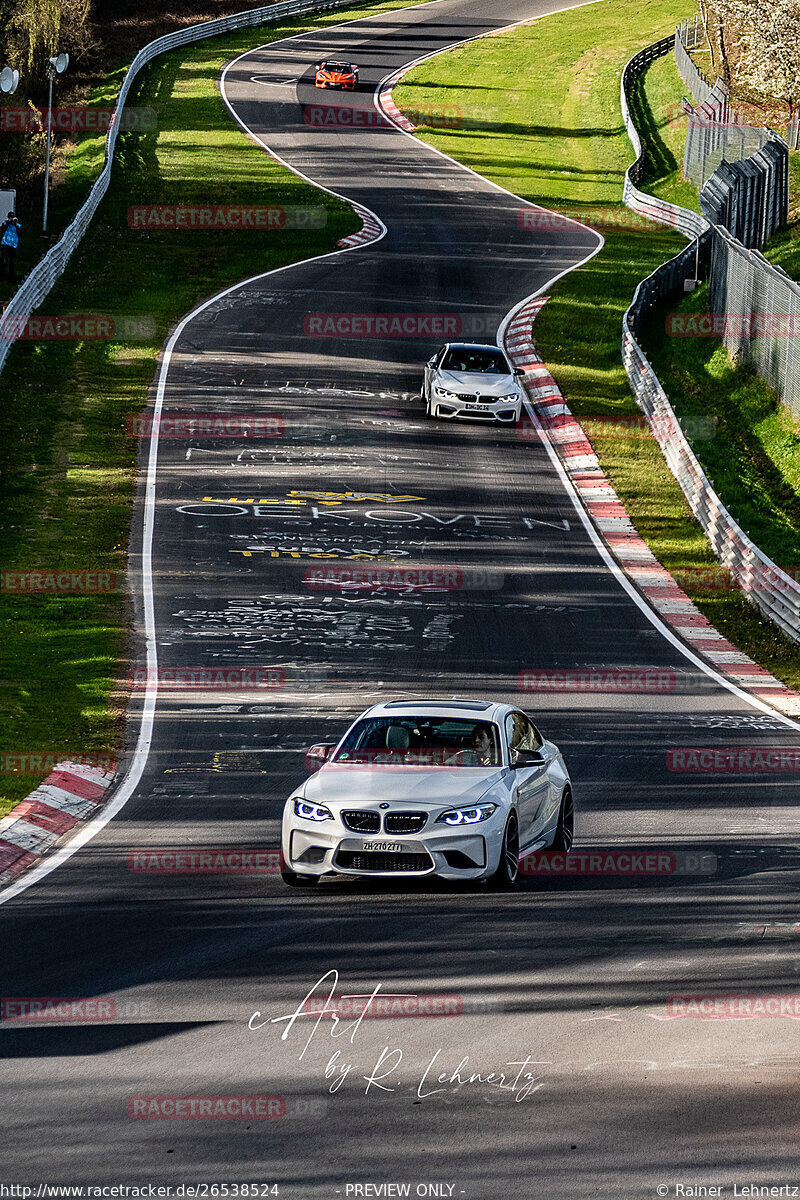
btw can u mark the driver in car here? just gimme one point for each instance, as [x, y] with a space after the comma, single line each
[480, 752]
[482, 749]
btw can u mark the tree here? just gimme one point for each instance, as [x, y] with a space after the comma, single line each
[719, 59]
[767, 36]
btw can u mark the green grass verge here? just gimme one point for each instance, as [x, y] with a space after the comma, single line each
[564, 76]
[784, 248]
[753, 459]
[67, 464]
[657, 111]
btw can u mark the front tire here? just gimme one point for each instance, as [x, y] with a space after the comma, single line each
[565, 830]
[506, 876]
[292, 879]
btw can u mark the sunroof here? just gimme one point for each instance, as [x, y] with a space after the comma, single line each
[479, 705]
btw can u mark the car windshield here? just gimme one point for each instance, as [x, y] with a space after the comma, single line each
[421, 741]
[345, 68]
[481, 362]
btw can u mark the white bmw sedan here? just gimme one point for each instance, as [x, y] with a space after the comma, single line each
[453, 788]
[474, 382]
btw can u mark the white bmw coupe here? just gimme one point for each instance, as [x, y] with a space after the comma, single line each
[472, 382]
[453, 788]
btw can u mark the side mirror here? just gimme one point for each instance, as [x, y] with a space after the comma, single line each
[431, 362]
[317, 755]
[527, 758]
[354, 66]
[518, 371]
[317, 66]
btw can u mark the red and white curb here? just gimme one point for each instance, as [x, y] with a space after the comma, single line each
[69, 795]
[611, 519]
[392, 111]
[371, 229]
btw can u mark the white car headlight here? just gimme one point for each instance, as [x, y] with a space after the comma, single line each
[440, 391]
[511, 396]
[312, 812]
[467, 816]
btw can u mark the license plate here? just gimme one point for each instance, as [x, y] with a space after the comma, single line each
[382, 846]
[482, 407]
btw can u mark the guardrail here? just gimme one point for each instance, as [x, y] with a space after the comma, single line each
[775, 592]
[41, 279]
[689, 223]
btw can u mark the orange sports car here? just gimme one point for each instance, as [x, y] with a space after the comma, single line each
[334, 74]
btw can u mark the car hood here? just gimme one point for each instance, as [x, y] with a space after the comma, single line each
[400, 785]
[487, 385]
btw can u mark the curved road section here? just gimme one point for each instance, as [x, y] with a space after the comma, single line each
[572, 1039]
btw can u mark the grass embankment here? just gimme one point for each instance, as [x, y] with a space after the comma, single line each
[67, 463]
[657, 111]
[753, 459]
[784, 248]
[541, 117]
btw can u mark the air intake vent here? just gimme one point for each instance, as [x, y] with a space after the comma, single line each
[361, 821]
[356, 860]
[404, 822]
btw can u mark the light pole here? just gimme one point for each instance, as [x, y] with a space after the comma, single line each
[56, 66]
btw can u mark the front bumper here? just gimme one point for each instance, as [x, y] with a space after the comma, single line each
[505, 412]
[311, 849]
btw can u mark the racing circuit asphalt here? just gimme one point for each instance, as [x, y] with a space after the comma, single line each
[573, 974]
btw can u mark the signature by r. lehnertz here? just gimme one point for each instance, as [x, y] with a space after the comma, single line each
[517, 1078]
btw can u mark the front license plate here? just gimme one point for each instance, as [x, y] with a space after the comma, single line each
[482, 407]
[382, 846]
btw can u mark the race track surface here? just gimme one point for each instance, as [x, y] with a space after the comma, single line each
[572, 975]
